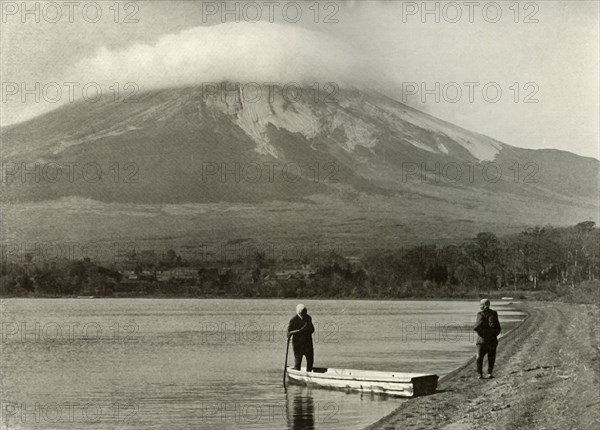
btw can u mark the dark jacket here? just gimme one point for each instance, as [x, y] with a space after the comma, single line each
[302, 341]
[487, 327]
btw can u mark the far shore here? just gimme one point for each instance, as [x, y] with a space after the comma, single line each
[492, 297]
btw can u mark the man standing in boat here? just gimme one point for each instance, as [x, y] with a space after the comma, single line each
[301, 329]
[487, 328]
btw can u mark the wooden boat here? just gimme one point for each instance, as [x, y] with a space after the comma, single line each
[389, 383]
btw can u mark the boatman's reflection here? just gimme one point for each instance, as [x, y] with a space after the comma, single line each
[301, 412]
[301, 329]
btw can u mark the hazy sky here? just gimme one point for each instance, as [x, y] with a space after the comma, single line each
[390, 46]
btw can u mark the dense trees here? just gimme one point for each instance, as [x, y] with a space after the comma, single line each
[540, 257]
[549, 259]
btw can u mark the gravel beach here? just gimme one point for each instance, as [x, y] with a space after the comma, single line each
[547, 376]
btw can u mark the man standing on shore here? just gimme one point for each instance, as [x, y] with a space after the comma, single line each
[487, 328]
[301, 329]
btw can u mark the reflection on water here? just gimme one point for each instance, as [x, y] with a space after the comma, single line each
[133, 364]
[300, 410]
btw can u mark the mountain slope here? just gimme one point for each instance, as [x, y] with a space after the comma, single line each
[356, 151]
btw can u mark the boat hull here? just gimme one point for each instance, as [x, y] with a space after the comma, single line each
[386, 383]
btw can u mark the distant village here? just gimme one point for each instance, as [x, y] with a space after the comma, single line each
[168, 274]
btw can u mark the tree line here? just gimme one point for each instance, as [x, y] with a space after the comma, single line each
[546, 261]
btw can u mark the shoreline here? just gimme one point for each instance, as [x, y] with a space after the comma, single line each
[548, 363]
[368, 299]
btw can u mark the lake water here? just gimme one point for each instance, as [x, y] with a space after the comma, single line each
[213, 364]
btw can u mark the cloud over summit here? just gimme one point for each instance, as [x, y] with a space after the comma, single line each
[237, 52]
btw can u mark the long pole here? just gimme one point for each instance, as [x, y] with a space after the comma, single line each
[287, 350]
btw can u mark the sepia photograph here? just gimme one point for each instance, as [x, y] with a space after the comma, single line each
[299, 215]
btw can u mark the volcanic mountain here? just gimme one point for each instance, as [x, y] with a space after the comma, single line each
[239, 162]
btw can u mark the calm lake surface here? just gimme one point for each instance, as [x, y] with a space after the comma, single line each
[213, 364]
